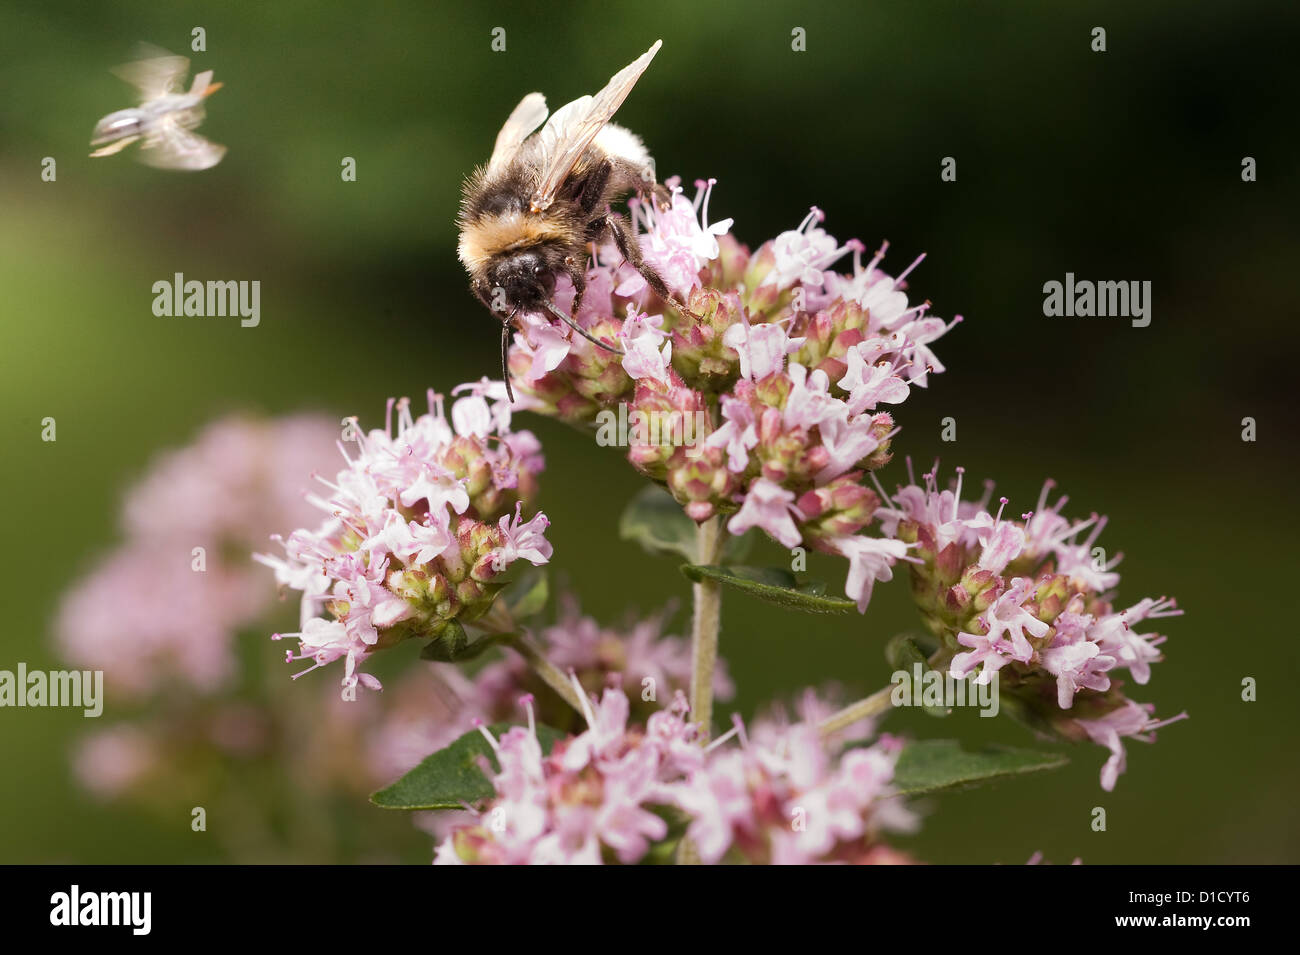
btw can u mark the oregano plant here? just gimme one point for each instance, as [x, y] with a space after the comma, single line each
[758, 401]
[766, 404]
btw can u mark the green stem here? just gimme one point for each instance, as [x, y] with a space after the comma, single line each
[705, 625]
[874, 705]
[704, 630]
[557, 681]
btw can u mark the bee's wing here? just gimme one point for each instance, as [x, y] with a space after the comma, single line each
[173, 147]
[156, 73]
[570, 131]
[527, 116]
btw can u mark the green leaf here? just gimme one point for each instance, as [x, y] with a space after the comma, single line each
[657, 522]
[1023, 712]
[453, 644]
[451, 777]
[928, 766]
[737, 548]
[773, 584]
[528, 594]
[927, 643]
[903, 654]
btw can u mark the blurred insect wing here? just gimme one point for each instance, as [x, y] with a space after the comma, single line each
[526, 117]
[173, 147]
[569, 132]
[157, 74]
[114, 147]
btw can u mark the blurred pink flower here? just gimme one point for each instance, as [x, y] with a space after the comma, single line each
[158, 611]
[110, 761]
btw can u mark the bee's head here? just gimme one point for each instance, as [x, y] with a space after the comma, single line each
[526, 277]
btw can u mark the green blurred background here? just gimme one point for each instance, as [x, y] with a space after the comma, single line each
[1122, 165]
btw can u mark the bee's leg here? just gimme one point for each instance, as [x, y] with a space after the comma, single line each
[640, 178]
[631, 251]
[554, 310]
[505, 359]
[593, 187]
[507, 322]
[661, 196]
[579, 278]
[651, 190]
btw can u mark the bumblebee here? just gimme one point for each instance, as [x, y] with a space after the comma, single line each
[545, 197]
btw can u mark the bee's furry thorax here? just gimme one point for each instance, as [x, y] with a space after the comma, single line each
[495, 220]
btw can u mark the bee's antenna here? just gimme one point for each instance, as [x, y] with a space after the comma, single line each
[550, 307]
[505, 352]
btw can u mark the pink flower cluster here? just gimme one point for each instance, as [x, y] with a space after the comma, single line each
[434, 706]
[786, 361]
[590, 799]
[1031, 601]
[611, 792]
[783, 798]
[423, 523]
